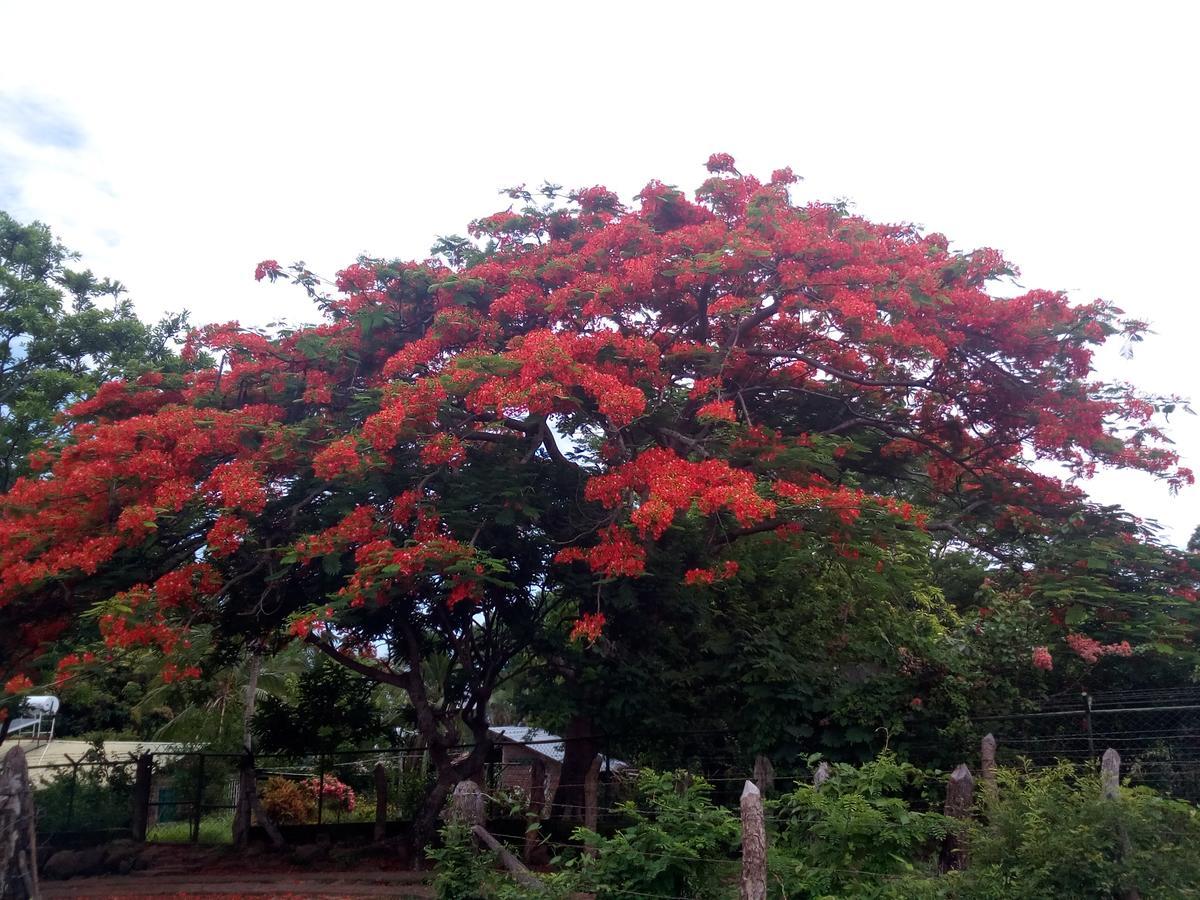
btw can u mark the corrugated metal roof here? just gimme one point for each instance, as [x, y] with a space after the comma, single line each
[544, 743]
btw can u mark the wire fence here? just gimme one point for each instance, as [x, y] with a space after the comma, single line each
[193, 794]
[1157, 733]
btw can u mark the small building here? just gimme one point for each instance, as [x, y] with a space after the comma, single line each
[522, 746]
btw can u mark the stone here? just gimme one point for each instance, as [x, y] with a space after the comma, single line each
[74, 863]
[309, 853]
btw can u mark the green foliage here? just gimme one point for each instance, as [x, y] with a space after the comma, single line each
[330, 709]
[678, 843]
[112, 702]
[1050, 833]
[96, 796]
[411, 788]
[57, 345]
[462, 871]
[805, 650]
[858, 832]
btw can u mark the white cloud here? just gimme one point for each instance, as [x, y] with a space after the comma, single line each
[216, 136]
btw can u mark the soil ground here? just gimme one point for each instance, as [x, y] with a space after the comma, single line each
[190, 871]
[265, 886]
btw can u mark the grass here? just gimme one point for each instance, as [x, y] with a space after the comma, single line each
[213, 830]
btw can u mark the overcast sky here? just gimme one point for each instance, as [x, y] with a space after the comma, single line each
[177, 145]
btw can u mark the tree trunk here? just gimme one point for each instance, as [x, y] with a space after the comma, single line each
[450, 772]
[579, 745]
[427, 821]
[247, 804]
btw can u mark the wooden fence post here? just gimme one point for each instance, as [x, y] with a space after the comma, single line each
[141, 796]
[754, 845]
[987, 758]
[1110, 787]
[381, 802]
[764, 774]
[821, 775]
[959, 795]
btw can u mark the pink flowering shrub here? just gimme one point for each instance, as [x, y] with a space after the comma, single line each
[1090, 650]
[338, 795]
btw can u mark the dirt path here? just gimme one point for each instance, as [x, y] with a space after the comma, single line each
[273, 885]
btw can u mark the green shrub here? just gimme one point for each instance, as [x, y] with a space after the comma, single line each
[463, 872]
[873, 832]
[862, 834]
[287, 801]
[413, 785]
[98, 796]
[1050, 833]
[677, 843]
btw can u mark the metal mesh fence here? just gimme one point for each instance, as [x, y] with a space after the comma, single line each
[193, 794]
[1157, 733]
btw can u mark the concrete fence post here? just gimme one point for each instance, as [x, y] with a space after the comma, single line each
[1110, 787]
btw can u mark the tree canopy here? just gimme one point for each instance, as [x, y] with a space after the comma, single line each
[472, 449]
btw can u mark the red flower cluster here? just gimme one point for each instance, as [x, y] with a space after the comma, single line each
[1042, 659]
[664, 484]
[733, 356]
[17, 684]
[726, 571]
[268, 268]
[615, 556]
[588, 627]
[311, 622]
[717, 411]
[172, 673]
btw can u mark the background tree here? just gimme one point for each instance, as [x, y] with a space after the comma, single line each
[469, 446]
[63, 333]
[328, 708]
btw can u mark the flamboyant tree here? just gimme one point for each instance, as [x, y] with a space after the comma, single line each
[468, 446]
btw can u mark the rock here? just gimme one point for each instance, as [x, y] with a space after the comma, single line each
[60, 865]
[73, 863]
[309, 853]
[121, 854]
